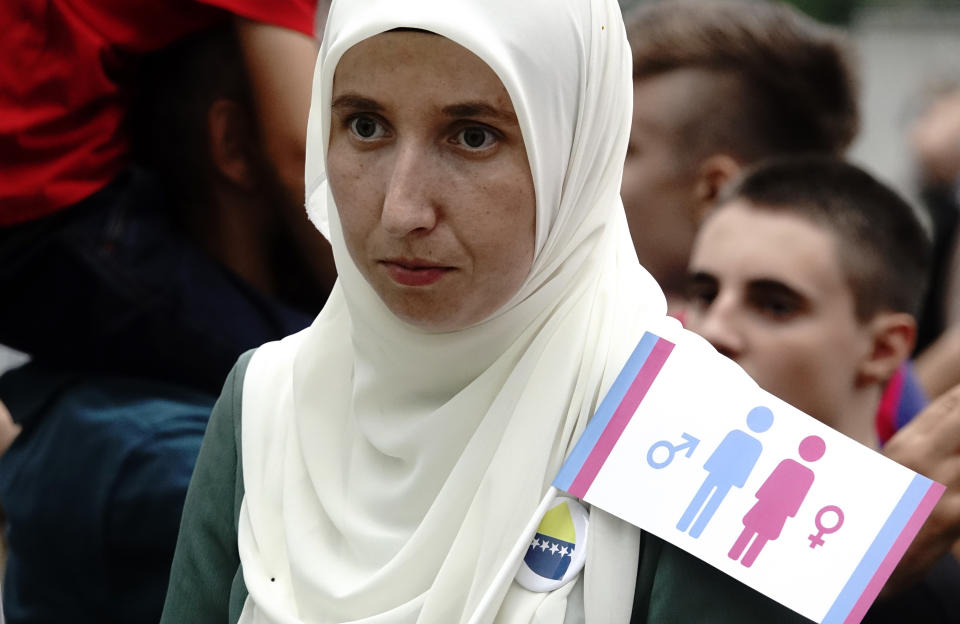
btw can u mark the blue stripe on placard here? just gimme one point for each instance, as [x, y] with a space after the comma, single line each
[571, 467]
[878, 550]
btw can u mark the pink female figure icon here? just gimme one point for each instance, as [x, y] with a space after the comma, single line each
[778, 498]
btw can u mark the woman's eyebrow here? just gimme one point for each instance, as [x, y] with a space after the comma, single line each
[479, 109]
[356, 102]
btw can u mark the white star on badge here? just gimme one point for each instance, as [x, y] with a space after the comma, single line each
[548, 554]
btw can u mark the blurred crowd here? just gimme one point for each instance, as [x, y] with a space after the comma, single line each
[152, 230]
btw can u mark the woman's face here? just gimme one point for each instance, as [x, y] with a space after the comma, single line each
[430, 176]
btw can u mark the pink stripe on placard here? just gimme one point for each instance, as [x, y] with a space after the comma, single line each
[910, 530]
[621, 417]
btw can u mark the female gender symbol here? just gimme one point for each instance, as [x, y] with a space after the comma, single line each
[816, 540]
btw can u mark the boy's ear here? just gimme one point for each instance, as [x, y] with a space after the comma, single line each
[892, 336]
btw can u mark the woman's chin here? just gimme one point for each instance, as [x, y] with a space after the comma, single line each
[433, 314]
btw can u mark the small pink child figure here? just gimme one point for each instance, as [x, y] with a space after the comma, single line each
[778, 498]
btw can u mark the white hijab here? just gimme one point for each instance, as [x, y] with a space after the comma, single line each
[389, 470]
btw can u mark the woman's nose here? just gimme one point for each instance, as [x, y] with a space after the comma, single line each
[410, 203]
[719, 323]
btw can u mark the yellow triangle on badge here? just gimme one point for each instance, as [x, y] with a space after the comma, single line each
[558, 524]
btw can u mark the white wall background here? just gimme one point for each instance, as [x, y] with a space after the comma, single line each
[901, 52]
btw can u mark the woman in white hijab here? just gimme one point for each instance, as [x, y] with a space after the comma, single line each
[464, 160]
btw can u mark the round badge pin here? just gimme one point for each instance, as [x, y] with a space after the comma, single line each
[558, 549]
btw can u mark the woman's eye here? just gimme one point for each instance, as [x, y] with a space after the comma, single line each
[476, 138]
[366, 128]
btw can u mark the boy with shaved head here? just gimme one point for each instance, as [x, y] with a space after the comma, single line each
[717, 87]
[809, 273]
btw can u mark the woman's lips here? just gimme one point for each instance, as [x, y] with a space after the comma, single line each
[414, 272]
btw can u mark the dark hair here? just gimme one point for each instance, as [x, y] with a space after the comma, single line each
[883, 248]
[176, 87]
[796, 87]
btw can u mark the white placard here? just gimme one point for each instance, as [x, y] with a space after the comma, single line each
[688, 447]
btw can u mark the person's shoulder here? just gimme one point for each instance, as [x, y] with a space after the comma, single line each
[932, 600]
[294, 15]
[270, 366]
[102, 406]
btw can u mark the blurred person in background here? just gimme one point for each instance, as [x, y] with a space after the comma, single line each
[934, 140]
[95, 482]
[719, 86]
[91, 276]
[809, 274]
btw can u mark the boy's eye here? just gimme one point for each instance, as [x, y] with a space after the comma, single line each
[701, 293]
[778, 308]
[476, 138]
[366, 128]
[775, 300]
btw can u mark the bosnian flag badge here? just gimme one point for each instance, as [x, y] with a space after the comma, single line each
[557, 551]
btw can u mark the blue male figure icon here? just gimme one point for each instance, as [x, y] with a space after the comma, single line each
[729, 466]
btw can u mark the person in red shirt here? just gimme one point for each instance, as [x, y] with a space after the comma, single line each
[87, 277]
[94, 466]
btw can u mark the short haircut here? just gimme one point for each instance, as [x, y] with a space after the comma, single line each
[882, 246]
[796, 83]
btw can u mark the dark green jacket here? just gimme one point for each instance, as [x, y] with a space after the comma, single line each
[206, 582]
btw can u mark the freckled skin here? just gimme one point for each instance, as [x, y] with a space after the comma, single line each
[429, 172]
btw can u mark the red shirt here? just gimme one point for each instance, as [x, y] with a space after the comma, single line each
[65, 74]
